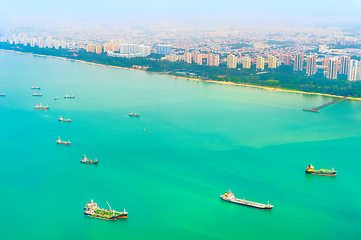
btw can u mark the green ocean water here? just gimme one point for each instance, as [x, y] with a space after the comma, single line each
[192, 142]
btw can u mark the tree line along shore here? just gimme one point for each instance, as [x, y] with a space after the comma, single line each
[282, 77]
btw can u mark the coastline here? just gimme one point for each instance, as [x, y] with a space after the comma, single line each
[188, 78]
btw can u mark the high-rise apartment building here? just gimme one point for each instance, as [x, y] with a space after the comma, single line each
[99, 49]
[311, 65]
[272, 62]
[163, 49]
[90, 48]
[331, 71]
[287, 60]
[298, 62]
[108, 47]
[213, 59]
[353, 70]
[260, 63]
[172, 58]
[188, 57]
[231, 61]
[344, 65]
[116, 47]
[247, 62]
[197, 58]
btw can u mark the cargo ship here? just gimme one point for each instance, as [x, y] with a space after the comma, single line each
[88, 161]
[61, 119]
[68, 96]
[325, 172]
[63, 142]
[40, 106]
[92, 210]
[2, 95]
[133, 114]
[229, 197]
[32, 87]
[37, 94]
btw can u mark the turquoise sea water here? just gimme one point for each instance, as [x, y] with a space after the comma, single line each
[192, 142]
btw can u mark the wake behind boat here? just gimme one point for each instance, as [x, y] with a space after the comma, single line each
[61, 119]
[41, 107]
[229, 197]
[63, 142]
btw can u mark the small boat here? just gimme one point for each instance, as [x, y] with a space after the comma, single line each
[61, 119]
[37, 94]
[325, 172]
[41, 107]
[56, 98]
[2, 95]
[133, 114]
[229, 197]
[32, 87]
[68, 96]
[63, 142]
[88, 160]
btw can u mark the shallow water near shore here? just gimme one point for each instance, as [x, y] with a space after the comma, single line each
[192, 142]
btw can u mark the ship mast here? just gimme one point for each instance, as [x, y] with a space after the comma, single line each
[109, 205]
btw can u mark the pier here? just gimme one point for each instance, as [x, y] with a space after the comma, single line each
[324, 105]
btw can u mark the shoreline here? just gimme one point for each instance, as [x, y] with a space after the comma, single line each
[188, 78]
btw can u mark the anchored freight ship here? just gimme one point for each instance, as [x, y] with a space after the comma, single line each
[326, 172]
[229, 197]
[68, 96]
[37, 94]
[63, 142]
[133, 114]
[61, 119]
[2, 95]
[92, 210]
[88, 161]
[32, 87]
[41, 107]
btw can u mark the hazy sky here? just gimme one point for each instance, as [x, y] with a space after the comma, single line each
[284, 10]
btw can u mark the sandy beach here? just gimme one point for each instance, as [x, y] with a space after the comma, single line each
[193, 79]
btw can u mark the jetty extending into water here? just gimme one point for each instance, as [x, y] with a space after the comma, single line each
[324, 105]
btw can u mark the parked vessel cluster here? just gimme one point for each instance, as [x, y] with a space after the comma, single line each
[92, 210]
